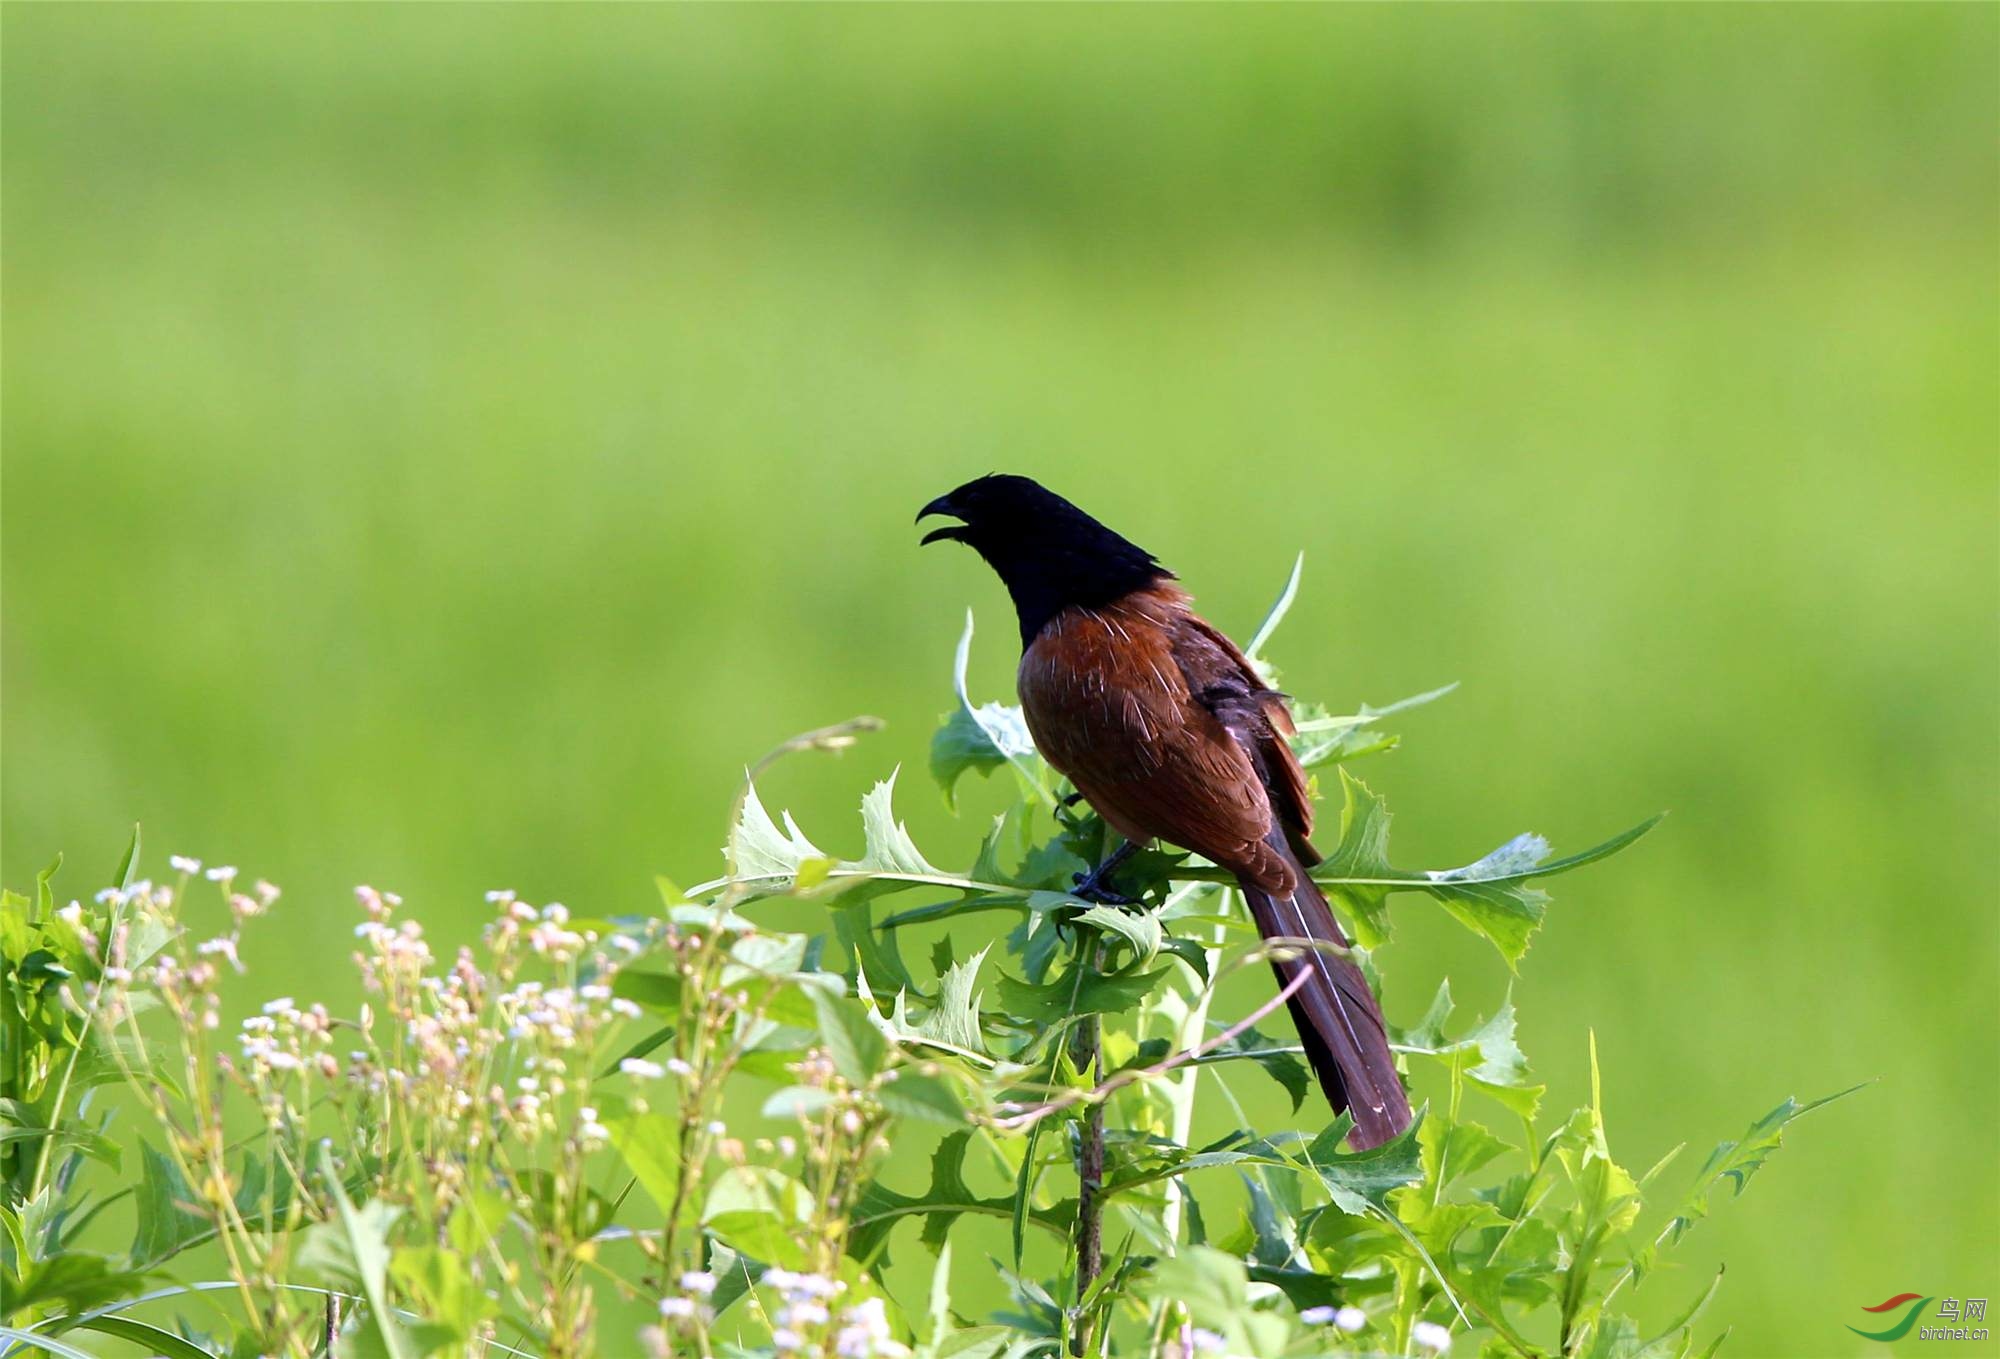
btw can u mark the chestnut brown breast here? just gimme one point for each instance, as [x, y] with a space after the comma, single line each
[1111, 704]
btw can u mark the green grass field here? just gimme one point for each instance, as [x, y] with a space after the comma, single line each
[443, 446]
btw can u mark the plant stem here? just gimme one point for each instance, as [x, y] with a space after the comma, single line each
[1084, 1053]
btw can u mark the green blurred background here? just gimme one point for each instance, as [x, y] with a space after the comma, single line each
[442, 446]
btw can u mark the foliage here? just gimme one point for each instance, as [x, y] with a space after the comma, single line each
[496, 1141]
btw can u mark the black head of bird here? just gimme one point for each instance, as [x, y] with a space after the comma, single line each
[1048, 553]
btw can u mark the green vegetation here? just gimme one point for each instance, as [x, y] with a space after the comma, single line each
[493, 1145]
[438, 443]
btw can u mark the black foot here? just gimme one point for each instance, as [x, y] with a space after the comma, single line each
[1090, 887]
[1095, 885]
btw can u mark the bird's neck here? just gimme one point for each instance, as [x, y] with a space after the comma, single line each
[1036, 605]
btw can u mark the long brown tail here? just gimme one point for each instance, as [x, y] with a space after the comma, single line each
[1338, 1017]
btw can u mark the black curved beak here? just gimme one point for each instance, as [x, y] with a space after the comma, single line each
[952, 533]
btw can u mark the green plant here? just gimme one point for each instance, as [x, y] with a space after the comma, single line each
[496, 1143]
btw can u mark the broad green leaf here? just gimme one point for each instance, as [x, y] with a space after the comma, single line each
[1353, 873]
[1614, 1337]
[650, 1145]
[764, 850]
[128, 867]
[735, 1274]
[1078, 991]
[365, 1233]
[1490, 896]
[761, 1212]
[889, 848]
[940, 1205]
[1451, 1151]
[1360, 1180]
[852, 1040]
[878, 957]
[76, 1280]
[762, 1235]
[978, 737]
[1140, 929]
[1489, 1056]
[169, 1212]
[1214, 1287]
[914, 1095]
[153, 1340]
[954, 1020]
[441, 1290]
[797, 1102]
[45, 897]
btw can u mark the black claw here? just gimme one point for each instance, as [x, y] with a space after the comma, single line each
[1091, 887]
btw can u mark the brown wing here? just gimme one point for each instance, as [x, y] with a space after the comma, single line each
[1223, 681]
[1110, 703]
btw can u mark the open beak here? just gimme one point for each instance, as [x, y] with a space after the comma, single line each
[951, 533]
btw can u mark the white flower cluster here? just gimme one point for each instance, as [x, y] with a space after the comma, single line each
[1349, 1319]
[285, 1039]
[142, 895]
[864, 1333]
[804, 1309]
[804, 1318]
[1428, 1335]
[546, 930]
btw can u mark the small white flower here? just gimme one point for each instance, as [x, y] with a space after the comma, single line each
[556, 913]
[622, 1006]
[1430, 1336]
[1206, 1342]
[679, 1067]
[223, 945]
[267, 893]
[594, 991]
[698, 1281]
[1317, 1316]
[500, 895]
[72, 915]
[219, 873]
[182, 864]
[717, 1128]
[786, 1339]
[624, 943]
[642, 1069]
[1350, 1319]
[677, 1308]
[281, 1006]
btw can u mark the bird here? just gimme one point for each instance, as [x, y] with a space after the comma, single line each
[1165, 728]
